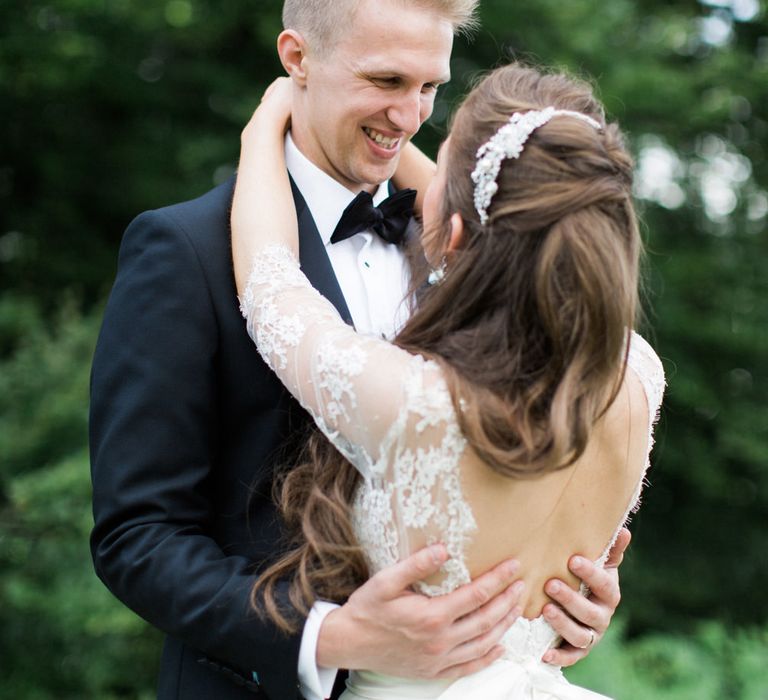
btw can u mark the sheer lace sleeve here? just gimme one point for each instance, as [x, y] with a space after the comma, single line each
[387, 411]
[351, 384]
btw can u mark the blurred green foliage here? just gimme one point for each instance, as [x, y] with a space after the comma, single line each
[711, 663]
[62, 635]
[111, 107]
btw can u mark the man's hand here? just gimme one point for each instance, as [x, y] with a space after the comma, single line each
[386, 627]
[582, 622]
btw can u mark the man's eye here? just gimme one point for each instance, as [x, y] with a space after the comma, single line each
[387, 82]
[429, 87]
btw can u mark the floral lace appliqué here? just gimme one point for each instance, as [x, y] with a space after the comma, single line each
[336, 367]
[272, 331]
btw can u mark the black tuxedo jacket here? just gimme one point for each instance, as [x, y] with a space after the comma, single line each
[187, 426]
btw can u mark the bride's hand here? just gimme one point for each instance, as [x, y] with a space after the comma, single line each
[273, 113]
[414, 170]
[263, 212]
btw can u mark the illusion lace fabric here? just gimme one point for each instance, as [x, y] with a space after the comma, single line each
[391, 415]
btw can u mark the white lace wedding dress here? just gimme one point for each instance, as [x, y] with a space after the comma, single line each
[390, 413]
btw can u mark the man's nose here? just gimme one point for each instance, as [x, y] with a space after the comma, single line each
[408, 113]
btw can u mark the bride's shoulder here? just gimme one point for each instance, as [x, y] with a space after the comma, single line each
[641, 349]
[645, 362]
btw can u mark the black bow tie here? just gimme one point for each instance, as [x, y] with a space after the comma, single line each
[389, 219]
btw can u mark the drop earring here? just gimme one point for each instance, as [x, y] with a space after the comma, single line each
[437, 274]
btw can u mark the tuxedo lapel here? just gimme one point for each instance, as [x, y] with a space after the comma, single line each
[314, 259]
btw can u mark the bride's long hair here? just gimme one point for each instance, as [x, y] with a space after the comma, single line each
[529, 324]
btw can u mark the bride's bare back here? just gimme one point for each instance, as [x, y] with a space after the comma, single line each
[543, 521]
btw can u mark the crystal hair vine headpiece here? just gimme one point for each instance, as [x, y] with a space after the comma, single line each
[508, 142]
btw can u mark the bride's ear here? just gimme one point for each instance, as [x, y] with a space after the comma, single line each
[457, 233]
[292, 50]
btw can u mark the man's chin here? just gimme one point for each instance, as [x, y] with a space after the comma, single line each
[378, 174]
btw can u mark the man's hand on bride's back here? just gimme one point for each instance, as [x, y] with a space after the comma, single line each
[386, 627]
[580, 621]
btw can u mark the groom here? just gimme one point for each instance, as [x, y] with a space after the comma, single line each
[188, 424]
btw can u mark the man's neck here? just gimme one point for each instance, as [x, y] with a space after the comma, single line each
[325, 196]
[301, 142]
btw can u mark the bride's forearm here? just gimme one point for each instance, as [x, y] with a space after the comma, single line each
[263, 212]
[415, 170]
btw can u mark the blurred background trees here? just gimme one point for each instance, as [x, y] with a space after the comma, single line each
[111, 107]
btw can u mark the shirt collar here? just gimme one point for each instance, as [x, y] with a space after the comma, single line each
[326, 198]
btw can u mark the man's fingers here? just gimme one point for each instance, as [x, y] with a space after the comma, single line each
[393, 580]
[475, 595]
[479, 646]
[603, 584]
[503, 607]
[580, 618]
[572, 632]
[616, 555]
[566, 655]
[587, 613]
[461, 670]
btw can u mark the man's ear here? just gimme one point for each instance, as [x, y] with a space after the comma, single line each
[292, 50]
[457, 233]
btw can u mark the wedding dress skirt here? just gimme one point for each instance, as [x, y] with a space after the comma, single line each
[518, 675]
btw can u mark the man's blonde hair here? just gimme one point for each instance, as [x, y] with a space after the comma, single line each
[320, 21]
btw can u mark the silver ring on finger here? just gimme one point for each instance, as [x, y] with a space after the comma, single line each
[592, 637]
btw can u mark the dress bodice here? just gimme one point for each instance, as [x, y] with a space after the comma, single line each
[390, 413]
[423, 494]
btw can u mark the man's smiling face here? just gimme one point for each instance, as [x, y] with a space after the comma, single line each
[369, 93]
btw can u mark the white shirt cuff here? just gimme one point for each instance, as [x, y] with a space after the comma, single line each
[315, 682]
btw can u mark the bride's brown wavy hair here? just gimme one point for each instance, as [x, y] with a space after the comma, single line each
[529, 324]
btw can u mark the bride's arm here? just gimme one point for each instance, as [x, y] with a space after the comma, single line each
[415, 170]
[343, 379]
[263, 211]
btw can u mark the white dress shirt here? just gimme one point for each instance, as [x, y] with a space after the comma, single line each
[373, 276]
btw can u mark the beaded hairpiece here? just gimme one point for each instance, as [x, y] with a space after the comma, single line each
[508, 142]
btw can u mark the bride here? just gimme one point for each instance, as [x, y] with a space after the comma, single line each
[512, 415]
